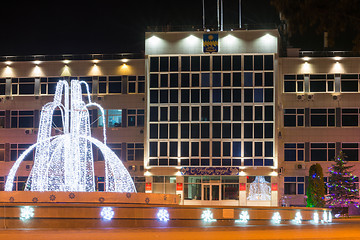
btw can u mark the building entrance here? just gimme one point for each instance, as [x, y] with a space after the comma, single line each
[211, 192]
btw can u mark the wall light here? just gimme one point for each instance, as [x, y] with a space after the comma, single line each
[147, 173]
[306, 59]
[37, 62]
[337, 58]
[66, 61]
[124, 60]
[8, 63]
[95, 61]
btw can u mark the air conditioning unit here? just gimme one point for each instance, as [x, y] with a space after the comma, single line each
[336, 97]
[300, 97]
[29, 131]
[310, 97]
[299, 166]
[132, 168]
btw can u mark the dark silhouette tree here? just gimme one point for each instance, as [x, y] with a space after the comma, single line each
[332, 16]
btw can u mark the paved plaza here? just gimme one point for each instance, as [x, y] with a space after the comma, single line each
[340, 229]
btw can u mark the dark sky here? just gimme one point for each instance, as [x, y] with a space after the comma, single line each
[64, 27]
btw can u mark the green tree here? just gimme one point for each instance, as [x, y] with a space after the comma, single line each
[341, 184]
[335, 17]
[316, 188]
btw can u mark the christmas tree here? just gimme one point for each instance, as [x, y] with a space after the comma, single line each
[341, 184]
[259, 189]
[316, 189]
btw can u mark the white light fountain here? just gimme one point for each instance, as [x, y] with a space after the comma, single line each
[65, 162]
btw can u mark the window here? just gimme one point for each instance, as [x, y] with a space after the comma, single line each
[322, 151]
[19, 183]
[322, 117]
[136, 84]
[135, 152]
[2, 119]
[351, 150]
[294, 151]
[293, 117]
[114, 118]
[293, 83]
[164, 184]
[2, 153]
[22, 119]
[294, 185]
[139, 184]
[349, 82]
[114, 84]
[350, 117]
[23, 86]
[2, 86]
[318, 83]
[17, 149]
[135, 117]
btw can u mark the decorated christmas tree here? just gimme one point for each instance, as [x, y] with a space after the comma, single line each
[259, 189]
[341, 184]
[316, 188]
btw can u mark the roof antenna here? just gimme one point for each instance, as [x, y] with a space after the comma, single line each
[240, 26]
[203, 8]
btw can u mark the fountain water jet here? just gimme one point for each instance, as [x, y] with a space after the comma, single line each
[65, 162]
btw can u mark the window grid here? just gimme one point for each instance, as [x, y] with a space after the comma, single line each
[195, 87]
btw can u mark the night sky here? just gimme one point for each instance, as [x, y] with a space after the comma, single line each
[63, 27]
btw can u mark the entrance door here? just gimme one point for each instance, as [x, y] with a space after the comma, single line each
[211, 192]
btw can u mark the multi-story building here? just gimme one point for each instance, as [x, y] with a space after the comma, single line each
[218, 117]
[211, 116]
[318, 102]
[116, 82]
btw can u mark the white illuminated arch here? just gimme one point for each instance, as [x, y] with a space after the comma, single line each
[65, 162]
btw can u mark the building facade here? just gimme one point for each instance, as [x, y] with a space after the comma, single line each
[216, 117]
[211, 116]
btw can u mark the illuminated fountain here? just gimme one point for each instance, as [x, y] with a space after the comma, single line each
[65, 162]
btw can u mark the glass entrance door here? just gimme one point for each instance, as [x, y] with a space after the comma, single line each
[211, 192]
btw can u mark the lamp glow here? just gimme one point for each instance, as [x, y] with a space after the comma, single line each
[26, 213]
[276, 218]
[65, 162]
[207, 216]
[297, 218]
[316, 218]
[243, 217]
[107, 213]
[163, 215]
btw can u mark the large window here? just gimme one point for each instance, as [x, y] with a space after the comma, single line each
[294, 185]
[322, 117]
[136, 84]
[135, 117]
[135, 151]
[322, 151]
[113, 118]
[350, 117]
[164, 184]
[293, 83]
[294, 117]
[22, 119]
[294, 151]
[351, 150]
[17, 149]
[349, 82]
